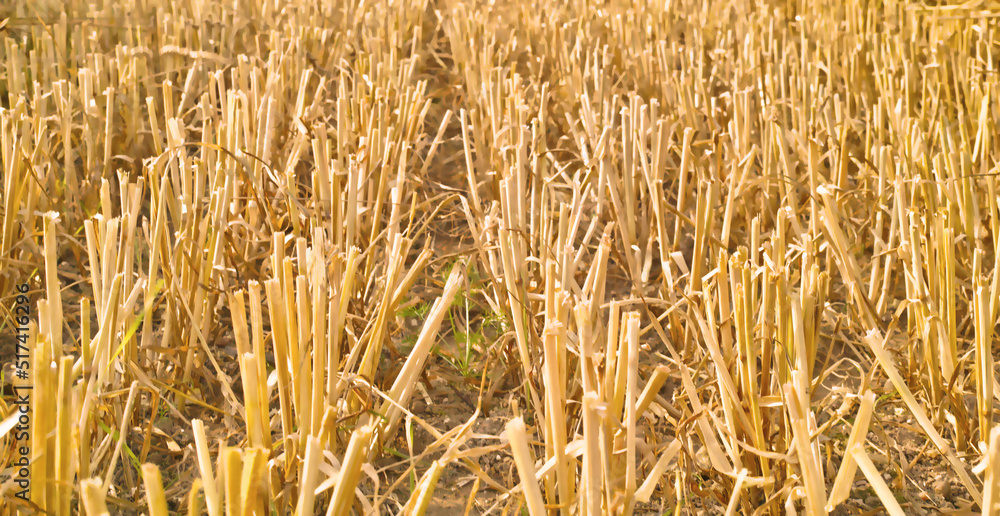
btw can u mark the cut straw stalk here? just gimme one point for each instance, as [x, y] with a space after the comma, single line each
[518, 437]
[406, 381]
[426, 489]
[555, 416]
[812, 480]
[212, 499]
[52, 283]
[257, 417]
[631, 392]
[309, 477]
[593, 482]
[231, 468]
[42, 422]
[255, 488]
[875, 478]
[645, 491]
[276, 305]
[984, 376]
[848, 468]
[321, 311]
[64, 474]
[991, 481]
[155, 496]
[93, 495]
[350, 471]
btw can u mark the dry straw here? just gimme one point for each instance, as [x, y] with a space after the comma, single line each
[691, 256]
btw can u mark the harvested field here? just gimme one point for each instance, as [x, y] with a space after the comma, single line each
[446, 257]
